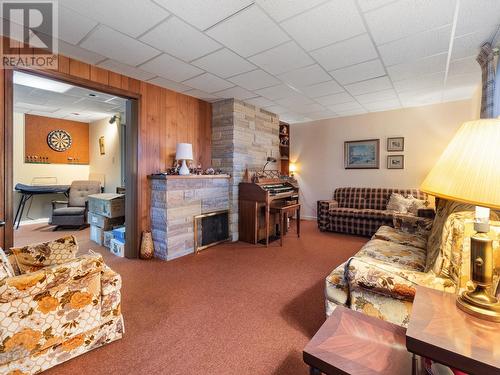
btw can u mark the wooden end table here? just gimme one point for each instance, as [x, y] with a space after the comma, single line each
[442, 332]
[350, 342]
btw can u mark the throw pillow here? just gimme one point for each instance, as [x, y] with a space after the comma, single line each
[6, 269]
[416, 204]
[398, 203]
[32, 258]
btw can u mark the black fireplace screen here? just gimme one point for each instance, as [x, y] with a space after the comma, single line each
[210, 229]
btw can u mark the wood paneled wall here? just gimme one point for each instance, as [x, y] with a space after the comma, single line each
[165, 118]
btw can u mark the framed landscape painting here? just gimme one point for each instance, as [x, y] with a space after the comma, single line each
[364, 154]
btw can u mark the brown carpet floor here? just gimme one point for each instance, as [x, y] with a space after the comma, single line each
[233, 309]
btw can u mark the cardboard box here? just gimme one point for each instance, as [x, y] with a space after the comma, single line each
[117, 248]
[119, 234]
[104, 222]
[107, 204]
[97, 235]
[108, 236]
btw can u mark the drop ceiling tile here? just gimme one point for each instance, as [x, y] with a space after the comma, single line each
[339, 98]
[428, 81]
[282, 59]
[464, 66]
[118, 46]
[349, 52]
[169, 67]
[126, 70]
[254, 80]
[388, 94]
[308, 108]
[367, 5]
[426, 97]
[470, 44]
[295, 100]
[474, 15]
[322, 89]
[351, 112]
[306, 76]
[359, 72]
[413, 69]
[236, 92]
[276, 92]
[459, 93]
[469, 79]
[321, 115]
[224, 63]
[203, 13]
[408, 17]
[349, 106]
[283, 9]
[371, 85]
[277, 109]
[132, 17]
[416, 46]
[260, 102]
[208, 82]
[382, 105]
[249, 32]
[179, 39]
[72, 26]
[331, 22]
[79, 53]
[168, 84]
[202, 95]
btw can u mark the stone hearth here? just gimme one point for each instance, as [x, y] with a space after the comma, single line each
[175, 200]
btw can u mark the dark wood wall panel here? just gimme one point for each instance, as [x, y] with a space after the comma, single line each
[165, 118]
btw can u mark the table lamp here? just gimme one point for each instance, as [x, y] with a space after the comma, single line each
[292, 167]
[469, 171]
[184, 152]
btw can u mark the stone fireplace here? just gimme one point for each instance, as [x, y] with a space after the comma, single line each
[175, 201]
[243, 136]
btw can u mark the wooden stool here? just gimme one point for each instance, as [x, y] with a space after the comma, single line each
[283, 212]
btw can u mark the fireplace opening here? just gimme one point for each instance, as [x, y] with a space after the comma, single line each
[210, 229]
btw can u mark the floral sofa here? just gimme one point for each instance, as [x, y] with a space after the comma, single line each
[56, 312]
[359, 211]
[380, 279]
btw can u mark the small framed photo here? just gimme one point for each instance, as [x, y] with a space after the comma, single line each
[364, 154]
[396, 144]
[395, 161]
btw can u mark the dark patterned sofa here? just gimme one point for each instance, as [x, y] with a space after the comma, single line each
[359, 211]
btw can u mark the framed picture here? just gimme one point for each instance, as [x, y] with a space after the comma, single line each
[396, 144]
[395, 161]
[101, 146]
[364, 154]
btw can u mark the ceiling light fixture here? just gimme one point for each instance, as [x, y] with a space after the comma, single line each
[40, 83]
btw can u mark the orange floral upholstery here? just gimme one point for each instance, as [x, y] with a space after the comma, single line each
[56, 313]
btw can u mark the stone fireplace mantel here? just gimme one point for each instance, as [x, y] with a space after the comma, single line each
[175, 200]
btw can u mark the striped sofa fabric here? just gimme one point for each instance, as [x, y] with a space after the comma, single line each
[359, 211]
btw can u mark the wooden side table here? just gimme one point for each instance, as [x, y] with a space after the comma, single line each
[440, 331]
[350, 342]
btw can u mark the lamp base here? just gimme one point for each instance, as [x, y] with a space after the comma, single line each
[184, 170]
[480, 304]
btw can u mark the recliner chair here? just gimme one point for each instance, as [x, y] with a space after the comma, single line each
[75, 212]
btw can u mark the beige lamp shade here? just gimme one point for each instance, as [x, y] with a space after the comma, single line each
[469, 168]
[184, 151]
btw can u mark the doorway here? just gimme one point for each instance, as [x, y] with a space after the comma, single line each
[60, 132]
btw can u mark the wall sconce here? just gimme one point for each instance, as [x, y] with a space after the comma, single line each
[292, 167]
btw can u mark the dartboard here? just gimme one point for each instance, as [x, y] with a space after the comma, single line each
[59, 140]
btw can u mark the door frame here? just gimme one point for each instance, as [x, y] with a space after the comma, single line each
[132, 225]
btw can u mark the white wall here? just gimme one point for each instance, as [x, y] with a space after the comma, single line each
[24, 173]
[317, 147]
[108, 164]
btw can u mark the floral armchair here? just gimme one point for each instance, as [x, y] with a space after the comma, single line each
[380, 279]
[56, 313]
